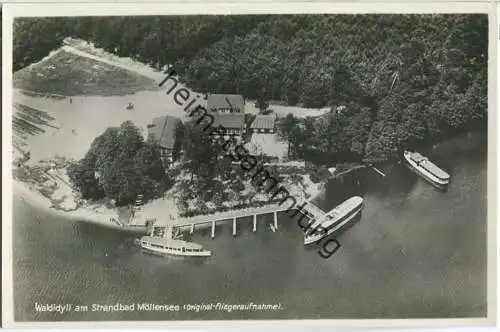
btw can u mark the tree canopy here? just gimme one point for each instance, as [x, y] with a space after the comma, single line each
[120, 165]
[398, 78]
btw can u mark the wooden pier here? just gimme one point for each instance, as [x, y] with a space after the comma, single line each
[210, 220]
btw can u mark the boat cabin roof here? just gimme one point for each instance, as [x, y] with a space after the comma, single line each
[346, 206]
[171, 243]
[426, 163]
[337, 212]
[418, 157]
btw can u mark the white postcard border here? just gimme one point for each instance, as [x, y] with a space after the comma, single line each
[12, 10]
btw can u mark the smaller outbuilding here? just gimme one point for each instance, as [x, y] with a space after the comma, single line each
[264, 124]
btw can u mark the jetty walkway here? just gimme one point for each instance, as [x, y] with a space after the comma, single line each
[148, 224]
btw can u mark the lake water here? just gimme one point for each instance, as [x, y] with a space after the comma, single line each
[416, 252]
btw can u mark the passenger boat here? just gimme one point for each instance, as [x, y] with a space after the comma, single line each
[426, 169]
[167, 241]
[163, 246]
[333, 220]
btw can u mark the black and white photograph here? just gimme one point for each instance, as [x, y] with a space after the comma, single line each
[241, 166]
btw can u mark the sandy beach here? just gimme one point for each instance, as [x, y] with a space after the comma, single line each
[78, 120]
[101, 216]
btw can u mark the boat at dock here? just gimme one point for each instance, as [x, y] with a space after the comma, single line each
[333, 220]
[426, 169]
[162, 246]
[167, 241]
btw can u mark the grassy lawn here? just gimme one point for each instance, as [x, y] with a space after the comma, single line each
[69, 74]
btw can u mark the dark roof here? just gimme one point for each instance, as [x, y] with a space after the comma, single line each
[229, 120]
[263, 122]
[219, 101]
[162, 130]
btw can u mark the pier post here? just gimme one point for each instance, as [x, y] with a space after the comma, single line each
[254, 222]
[234, 226]
[275, 220]
[213, 229]
[192, 228]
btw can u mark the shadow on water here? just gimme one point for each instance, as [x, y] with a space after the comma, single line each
[106, 244]
[470, 146]
[399, 179]
[170, 258]
[98, 232]
[419, 260]
[347, 227]
[339, 189]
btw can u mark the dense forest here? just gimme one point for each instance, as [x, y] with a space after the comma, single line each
[398, 79]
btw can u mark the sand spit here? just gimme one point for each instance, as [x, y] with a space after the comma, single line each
[87, 49]
[78, 120]
[101, 216]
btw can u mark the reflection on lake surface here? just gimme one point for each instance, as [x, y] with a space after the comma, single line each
[415, 252]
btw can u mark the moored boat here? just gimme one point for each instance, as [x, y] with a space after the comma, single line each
[167, 240]
[426, 169]
[333, 220]
[164, 246]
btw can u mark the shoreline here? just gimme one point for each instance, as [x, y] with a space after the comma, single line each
[110, 218]
[35, 199]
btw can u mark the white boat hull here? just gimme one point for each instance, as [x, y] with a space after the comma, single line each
[426, 175]
[320, 235]
[173, 252]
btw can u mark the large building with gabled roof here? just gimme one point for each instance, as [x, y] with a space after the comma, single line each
[162, 131]
[226, 103]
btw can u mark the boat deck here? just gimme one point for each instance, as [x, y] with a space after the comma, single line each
[171, 242]
[314, 210]
[425, 163]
